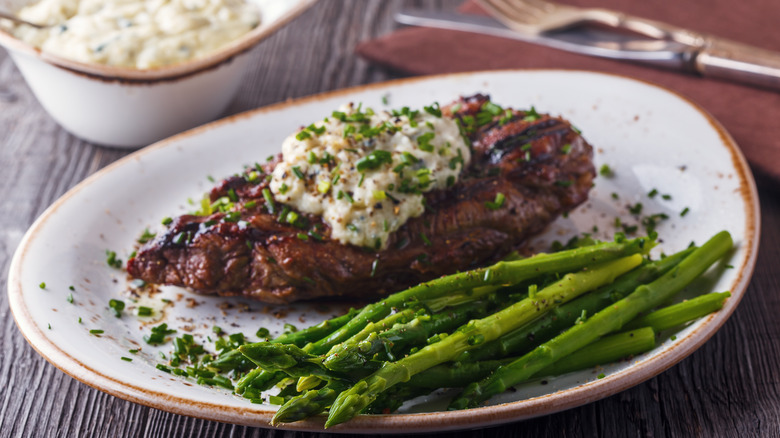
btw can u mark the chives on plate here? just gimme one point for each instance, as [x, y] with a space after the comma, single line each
[116, 307]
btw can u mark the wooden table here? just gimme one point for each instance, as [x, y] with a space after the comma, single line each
[729, 387]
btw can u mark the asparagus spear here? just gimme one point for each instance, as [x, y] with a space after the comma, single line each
[310, 403]
[562, 317]
[231, 360]
[606, 350]
[262, 380]
[347, 357]
[678, 314]
[459, 374]
[442, 322]
[316, 332]
[608, 320]
[299, 362]
[259, 380]
[638, 339]
[350, 402]
[502, 273]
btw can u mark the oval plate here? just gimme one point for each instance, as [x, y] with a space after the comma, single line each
[652, 139]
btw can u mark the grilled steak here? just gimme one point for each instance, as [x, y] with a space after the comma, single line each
[539, 163]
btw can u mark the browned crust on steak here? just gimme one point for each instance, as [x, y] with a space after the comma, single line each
[543, 167]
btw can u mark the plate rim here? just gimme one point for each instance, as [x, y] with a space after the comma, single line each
[253, 415]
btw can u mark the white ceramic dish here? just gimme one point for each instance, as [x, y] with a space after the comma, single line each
[126, 107]
[653, 138]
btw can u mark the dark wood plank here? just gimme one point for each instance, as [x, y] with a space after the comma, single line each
[730, 387]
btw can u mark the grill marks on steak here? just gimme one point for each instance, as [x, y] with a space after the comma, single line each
[541, 165]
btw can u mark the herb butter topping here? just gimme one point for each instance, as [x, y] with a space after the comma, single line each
[365, 172]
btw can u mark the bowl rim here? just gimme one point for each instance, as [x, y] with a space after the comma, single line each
[174, 71]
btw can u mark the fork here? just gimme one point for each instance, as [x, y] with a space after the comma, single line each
[536, 17]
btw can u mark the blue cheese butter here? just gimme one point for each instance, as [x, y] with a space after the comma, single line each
[365, 172]
[136, 33]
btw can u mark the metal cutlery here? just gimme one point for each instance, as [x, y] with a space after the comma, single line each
[651, 42]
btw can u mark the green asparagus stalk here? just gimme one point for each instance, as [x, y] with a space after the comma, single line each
[310, 403]
[389, 401]
[316, 332]
[262, 380]
[459, 374]
[347, 357]
[293, 361]
[298, 362]
[350, 402]
[306, 383]
[232, 360]
[502, 273]
[678, 314]
[608, 320]
[606, 350]
[259, 380]
[562, 317]
[438, 323]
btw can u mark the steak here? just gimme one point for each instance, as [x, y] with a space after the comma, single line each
[539, 163]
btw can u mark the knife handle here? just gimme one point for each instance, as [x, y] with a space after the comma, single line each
[739, 62]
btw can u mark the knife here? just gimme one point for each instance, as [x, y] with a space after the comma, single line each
[704, 55]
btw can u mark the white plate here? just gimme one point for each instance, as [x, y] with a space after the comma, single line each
[651, 137]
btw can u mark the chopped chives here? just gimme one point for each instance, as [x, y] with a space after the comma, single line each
[126, 359]
[269, 201]
[144, 311]
[111, 260]
[380, 195]
[323, 186]
[116, 307]
[96, 331]
[232, 195]
[146, 236]
[497, 203]
[263, 332]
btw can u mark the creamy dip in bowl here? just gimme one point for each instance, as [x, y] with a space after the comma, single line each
[111, 103]
[136, 33]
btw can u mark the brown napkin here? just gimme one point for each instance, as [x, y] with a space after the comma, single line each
[751, 115]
